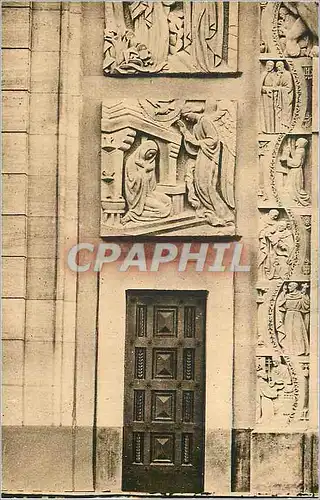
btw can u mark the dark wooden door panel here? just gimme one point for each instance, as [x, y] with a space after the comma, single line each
[163, 445]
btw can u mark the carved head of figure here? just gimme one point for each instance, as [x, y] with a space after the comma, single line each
[282, 226]
[276, 362]
[192, 112]
[301, 142]
[292, 287]
[269, 65]
[273, 214]
[146, 154]
[280, 67]
[283, 13]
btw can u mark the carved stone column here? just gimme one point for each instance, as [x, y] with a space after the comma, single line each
[285, 204]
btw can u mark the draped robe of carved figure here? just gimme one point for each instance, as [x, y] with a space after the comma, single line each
[268, 96]
[281, 248]
[266, 251]
[294, 184]
[293, 308]
[204, 142]
[268, 393]
[284, 98]
[151, 29]
[144, 201]
[206, 33]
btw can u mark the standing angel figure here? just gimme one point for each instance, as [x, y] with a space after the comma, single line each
[210, 172]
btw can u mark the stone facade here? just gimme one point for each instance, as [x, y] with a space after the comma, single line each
[209, 139]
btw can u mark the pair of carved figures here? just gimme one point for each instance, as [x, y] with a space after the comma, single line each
[164, 36]
[277, 98]
[210, 163]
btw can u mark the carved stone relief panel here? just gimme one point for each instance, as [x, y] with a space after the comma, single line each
[286, 95]
[277, 246]
[167, 167]
[294, 29]
[292, 318]
[285, 170]
[275, 390]
[170, 37]
[283, 353]
[288, 43]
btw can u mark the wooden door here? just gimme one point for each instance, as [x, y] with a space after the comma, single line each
[164, 392]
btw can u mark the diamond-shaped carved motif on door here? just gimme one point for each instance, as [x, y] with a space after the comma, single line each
[165, 321]
[164, 363]
[163, 406]
[162, 448]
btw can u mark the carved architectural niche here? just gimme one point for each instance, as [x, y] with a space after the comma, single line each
[289, 29]
[170, 37]
[286, 96]
[167, 167]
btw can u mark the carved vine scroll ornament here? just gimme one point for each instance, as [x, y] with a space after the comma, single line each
[168, 167]
[169, 36]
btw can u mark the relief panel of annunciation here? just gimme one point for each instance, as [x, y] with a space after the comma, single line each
[167, 167]
[170, 37]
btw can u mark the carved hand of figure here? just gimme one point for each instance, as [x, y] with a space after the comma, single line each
[181, 126]
[283, 161]
[304, 288]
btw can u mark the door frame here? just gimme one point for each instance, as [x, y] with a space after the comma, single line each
[110, 375]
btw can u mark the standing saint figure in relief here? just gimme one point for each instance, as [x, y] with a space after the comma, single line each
[144, 201]
[292, 319]
[268, 96]
[284, 97]
[210, 172]
[277, 98]
[293, 162]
